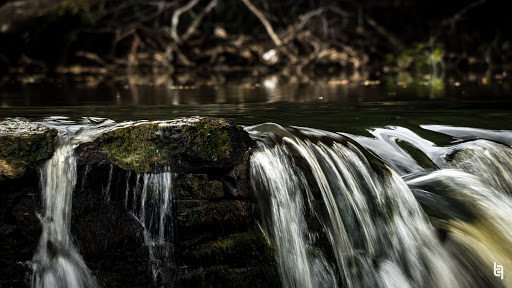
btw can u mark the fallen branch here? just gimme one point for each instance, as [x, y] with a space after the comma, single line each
[264, 21]
[91, 56]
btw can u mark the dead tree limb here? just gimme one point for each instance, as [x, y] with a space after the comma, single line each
[452, 21]
[305, 18]
[193, 27]
[176, 19]
[264, 21]
[16, 13]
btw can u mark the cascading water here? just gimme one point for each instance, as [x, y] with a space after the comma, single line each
[373, 217]
[393, 210]
[152, 206]
[299, 265]
[57, 262]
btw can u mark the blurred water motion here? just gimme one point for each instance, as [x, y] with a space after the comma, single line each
[409, 214]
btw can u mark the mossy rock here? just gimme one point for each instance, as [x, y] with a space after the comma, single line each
[236, 250]
[202, 212]
[133, 147]
[198, 187]
[186, 145]
[227, 277]
[23, 145]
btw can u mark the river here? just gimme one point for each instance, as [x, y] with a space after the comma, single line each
[359, 183]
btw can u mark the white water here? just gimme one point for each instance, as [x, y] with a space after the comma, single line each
[378, 233]
[152, 206]
[372, 231]
[298, 265]
[56, 263]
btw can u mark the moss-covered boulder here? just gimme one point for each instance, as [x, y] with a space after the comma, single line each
[226, 213]
[226, 277]
[186, 145]
[23, 145]
[242, 249]
[198, 186]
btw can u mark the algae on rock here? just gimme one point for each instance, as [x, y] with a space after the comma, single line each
[132, 148]
[185, 145]
[23, 145]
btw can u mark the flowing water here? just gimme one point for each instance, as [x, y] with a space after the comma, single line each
[439, 217]
[388, 209]
[57, 262]
[394, 191]
[152, 206]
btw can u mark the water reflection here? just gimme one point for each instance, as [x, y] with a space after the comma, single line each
[190, 89]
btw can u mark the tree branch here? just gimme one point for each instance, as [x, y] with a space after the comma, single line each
[176, 18]
[193, 27]
[263, 21]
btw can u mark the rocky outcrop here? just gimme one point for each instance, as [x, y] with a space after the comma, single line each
[185, 145]
[23, 145]
[215, 241]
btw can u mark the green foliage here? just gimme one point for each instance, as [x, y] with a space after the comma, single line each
[422, 57]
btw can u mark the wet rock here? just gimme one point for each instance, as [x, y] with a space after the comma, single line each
[23, 145]
[227, 213]
[185, 145]
[197, 186]
[20, 228]
[236, 180]
[214, 240]
[226, 277]
[236, 250]
[109, 238]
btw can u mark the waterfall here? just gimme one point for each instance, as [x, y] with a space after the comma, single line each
[57, 262]
[152, 207]
[373, 217]
[391, 210]
[299, 265]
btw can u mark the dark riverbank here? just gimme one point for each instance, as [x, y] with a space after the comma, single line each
[109, 38]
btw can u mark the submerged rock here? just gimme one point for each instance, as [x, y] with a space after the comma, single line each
[23, 145]
[185, 145]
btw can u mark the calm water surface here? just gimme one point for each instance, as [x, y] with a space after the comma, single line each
[334, 104]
